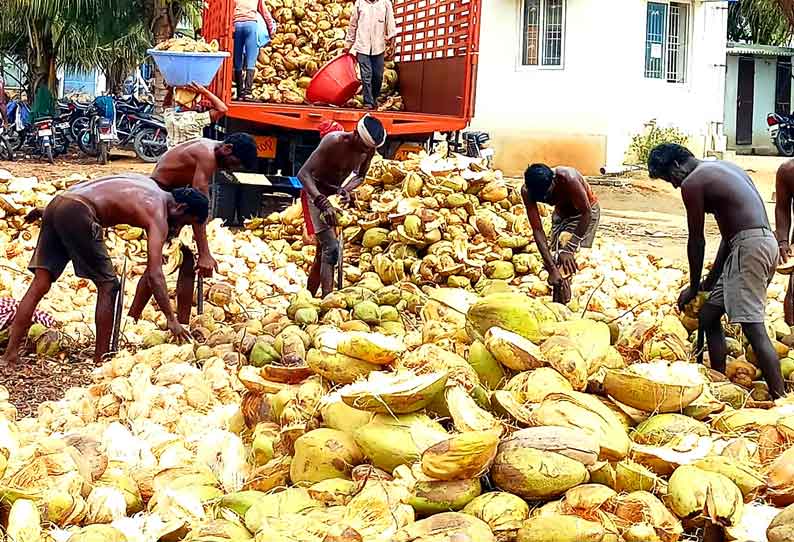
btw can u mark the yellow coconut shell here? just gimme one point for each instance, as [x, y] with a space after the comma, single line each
[503, 512]
[399, 393]
[512, 350]
[651, 396]
[535, 474]
[560, 528]
[464, 456]
[696, 494]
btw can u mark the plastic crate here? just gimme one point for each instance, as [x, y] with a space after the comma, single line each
[179, 69]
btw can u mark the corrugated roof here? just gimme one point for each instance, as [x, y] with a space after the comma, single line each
[758, 50]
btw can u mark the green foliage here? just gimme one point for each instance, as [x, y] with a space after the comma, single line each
[110, 35]
[642, 144]
[759, 21]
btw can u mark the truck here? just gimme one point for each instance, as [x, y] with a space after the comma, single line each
[436, 52]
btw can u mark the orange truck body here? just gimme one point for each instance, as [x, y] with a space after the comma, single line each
[436, 50]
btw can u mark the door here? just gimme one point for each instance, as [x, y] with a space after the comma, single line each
[744, 101]
[783, 86]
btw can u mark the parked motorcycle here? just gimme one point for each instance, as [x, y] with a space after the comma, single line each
[781, 131]
[134, 127]
[43, 137]
[99, 136]
[72, 118]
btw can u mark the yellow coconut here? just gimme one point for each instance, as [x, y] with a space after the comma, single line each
[562, 355]
[782, 527]
[697, 494]
[338, 368]
[560, 528]
[512, 312]
[399, 393]
[373, 348]
[389, 441]
[588, 415]
[512, 350]
[505, 405]
[503, 512]
[445, 527]
[643, 508]
[322, 454]
[655, 387]
[661, 429]
[533, 386]
[490, 371]
[464, 456]
[535, 474]
[435, 496]
[746, 478]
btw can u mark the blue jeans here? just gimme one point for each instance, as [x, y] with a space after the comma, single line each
[245, 44]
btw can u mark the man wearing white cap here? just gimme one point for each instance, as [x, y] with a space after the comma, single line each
[339, 155]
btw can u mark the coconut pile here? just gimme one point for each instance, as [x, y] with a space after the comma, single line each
[397, 409]
[310, 33]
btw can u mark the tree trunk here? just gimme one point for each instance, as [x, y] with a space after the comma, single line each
[163, 28]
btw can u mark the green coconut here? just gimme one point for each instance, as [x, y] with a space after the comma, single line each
[307, 316]
[490, 371]
[367, 311]
[535, 474]
[36, 330]
[375, 237]
[322, 454]
[436, 496]
[512, 312]
[390, 441]
[263, 354]
[661, 429]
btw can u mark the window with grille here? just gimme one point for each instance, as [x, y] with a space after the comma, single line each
[666, 41]
[543, 32]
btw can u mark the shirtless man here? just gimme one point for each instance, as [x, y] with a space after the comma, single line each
[194, 164]
[71, 230]
[576, 211]
[745, 262]
[784, 202]
[338, 155]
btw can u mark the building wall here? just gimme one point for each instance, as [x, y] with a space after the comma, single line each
[764, 84]
[584, 113]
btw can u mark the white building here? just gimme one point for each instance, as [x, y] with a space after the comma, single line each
[758, 82]
[570, 81]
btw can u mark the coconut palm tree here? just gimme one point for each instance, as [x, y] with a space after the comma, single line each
[111, 35]
[767, 22]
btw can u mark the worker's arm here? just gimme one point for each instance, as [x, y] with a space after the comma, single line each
[351, 29]
[156, 235]
[574, 187]
[361, 174]
[218, 109]
[206, 263]
[716, 269]
[540, 238]
[783, 212]
[692, 194]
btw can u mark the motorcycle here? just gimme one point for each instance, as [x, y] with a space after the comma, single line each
[72, 118]
[134, 127]
[781, 132]
[100, 134]
[42, 137]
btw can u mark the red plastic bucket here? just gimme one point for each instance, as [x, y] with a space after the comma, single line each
[335, 83]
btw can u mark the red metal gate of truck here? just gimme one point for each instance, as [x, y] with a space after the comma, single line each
[436, 50]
